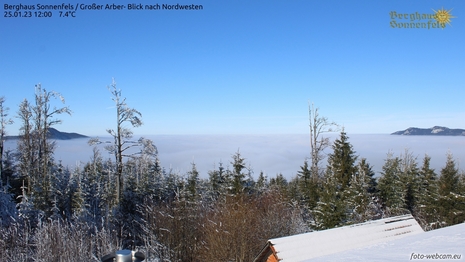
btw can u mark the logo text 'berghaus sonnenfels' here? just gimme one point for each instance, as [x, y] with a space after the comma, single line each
[438, 19]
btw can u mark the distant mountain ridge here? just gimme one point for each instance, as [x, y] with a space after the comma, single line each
[55, 134]
[433, 131]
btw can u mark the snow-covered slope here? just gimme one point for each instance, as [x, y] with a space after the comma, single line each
[431, 245]
[433, 131]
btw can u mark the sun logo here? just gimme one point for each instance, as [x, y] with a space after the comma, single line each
[443, 17]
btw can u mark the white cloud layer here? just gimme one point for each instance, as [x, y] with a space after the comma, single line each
[272, 154]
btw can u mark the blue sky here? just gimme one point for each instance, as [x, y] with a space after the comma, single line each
[242, 67]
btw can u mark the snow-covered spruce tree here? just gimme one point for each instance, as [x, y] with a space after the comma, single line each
[239, 181]
[449, 179]
[262, 184]
[363, 167]
[308, 187]
[409, 178]
[331, 210]
[217, 182]
[451, 197]
[280, 184]
[62, 190]
[4, 121]
[156, 181]
[128, 218]
[8, 211]
[28, 214]
[95, 189]
[293, 191]
[360, 198]
[170, 185]
[149, 171]
[426, 209]
[77, 204]
[341, 163]
[141, 174]
[192, 183]
[390, 188]
[10, 174]
[122, 136]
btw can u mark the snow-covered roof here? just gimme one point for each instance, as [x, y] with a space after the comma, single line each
[306, 246]
[438, 245]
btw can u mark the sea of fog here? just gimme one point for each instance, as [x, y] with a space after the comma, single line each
[271, 154]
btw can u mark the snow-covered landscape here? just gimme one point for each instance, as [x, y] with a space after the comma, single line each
[221, 130]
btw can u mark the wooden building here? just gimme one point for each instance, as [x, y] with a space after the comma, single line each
[304, 247]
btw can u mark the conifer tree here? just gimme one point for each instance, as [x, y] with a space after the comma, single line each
[391, 190]
[93, 184]
[308, 187]
[262, 183]
[217, 181]
[279, 182]
[146, 168]
[4, 121]
[172, 185]
[293, 189]
[409, 178]
[451, 199]
[192, 183]
[62, 190]
[77, 197]
[10, 175]
[238, 177]
[426, 210]
[26, 210]
[359, 195]
[449, 179]
[7, 207]
[341, 163]
[331, 210]
[131, 193]
[365, 168]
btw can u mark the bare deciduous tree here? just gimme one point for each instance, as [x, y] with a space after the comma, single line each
[34, 146]
[44, 118]
[122, 136]
[25, 147]
[318, 143]
[236, 228]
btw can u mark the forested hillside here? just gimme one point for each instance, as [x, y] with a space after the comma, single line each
[49, 212]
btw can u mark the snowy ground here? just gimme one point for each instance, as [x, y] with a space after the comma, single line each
[433, 245]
